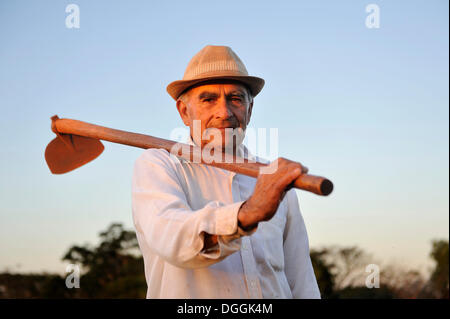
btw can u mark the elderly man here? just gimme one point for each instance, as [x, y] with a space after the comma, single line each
[205, 232]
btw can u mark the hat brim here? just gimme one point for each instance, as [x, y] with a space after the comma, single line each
[254, 83]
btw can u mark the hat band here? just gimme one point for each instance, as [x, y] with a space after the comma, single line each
[217, 66]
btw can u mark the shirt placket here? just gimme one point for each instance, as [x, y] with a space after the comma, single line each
[248, 260]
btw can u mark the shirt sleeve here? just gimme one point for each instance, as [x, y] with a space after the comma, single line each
[298, 265]
[164, 219]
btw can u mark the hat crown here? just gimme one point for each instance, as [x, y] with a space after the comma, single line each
[214, 59]
[212, 63]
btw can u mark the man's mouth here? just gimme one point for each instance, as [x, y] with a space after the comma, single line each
[224, 126]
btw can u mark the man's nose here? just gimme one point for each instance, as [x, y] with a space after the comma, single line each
[223, 109]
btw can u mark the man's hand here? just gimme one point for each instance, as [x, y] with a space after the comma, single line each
[269, 192]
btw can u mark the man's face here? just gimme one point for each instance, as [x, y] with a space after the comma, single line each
[225, 104]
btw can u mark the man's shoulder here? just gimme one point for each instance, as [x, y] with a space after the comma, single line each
[154, 153]
[157, 156]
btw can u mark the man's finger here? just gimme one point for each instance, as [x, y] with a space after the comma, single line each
[304, 169]
[288, 176]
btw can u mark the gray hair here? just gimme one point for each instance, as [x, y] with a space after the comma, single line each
[184, 96]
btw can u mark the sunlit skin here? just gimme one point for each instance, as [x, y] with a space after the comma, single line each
[223, 104]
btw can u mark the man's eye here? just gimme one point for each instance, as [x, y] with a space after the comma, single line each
[236, 99]
[207, 100]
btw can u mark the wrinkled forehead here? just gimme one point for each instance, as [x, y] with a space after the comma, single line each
[215, 86]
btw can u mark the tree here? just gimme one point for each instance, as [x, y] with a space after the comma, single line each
[341, 273]
[405, 284]
[440, 274]
[322, 270]
[114, 269]
[346, 265]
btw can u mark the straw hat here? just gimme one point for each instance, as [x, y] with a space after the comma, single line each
[215, 62]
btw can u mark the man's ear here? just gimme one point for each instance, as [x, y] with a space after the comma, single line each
[183, 110]
[249, 112]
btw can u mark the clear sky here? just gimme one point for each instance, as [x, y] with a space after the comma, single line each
[367, 108]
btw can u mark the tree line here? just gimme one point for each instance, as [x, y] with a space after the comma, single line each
[115, 269]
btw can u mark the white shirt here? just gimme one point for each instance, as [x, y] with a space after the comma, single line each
[176, 202]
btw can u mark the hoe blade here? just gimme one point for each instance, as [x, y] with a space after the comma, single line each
[67, 152]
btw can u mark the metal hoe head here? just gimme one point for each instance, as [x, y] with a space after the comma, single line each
[67, 152]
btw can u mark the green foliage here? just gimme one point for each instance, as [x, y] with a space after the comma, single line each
[340, 273]
[322, 270]
[114, 269]
[440, 274]
[110, 270]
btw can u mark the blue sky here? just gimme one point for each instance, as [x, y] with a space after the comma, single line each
[368, 108]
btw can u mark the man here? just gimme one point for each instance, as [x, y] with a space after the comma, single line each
[205, 232]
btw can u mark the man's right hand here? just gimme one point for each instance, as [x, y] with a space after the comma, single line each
[267, 195]
[269, 192]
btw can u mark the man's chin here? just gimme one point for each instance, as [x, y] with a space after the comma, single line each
[226, 139]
